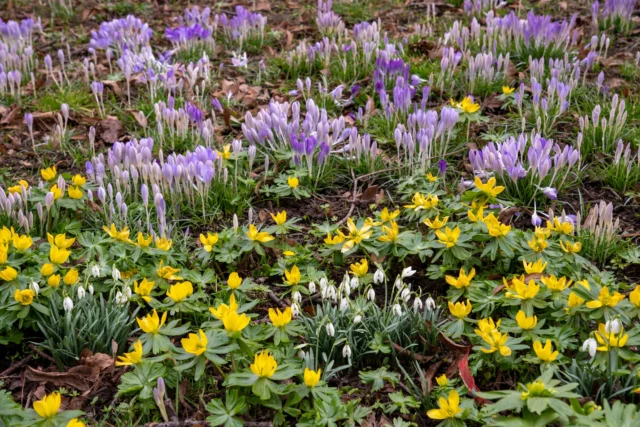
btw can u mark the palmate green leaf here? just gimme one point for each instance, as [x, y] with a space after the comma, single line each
[510, 402]
[141, 380]
[224, 414]
[378, 377]
[242, 379]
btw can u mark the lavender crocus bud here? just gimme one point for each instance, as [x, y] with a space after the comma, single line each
[28, 119]
[550, 192]
[48, 200]
[65, 111]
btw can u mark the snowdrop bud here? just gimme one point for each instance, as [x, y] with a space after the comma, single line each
[357, 319]
[81, 292]
[405, 294]
[378, 277]
[331, 331]
[371, 295]
[346, 351]
[295, 309]
[95, 270]
[302, 355]
[408, 272]
[430, 303]
[312, 287]
[399, 283]
[91, 289]
[323, 283]
[613, 326]
[396, 309]
[67, 304]
[115, 273]
[344, 304]
[127, 292]
[119, 298]
[235, 223]
[354, 282]
[34, 287]
[590, 345]
[331, 293]
[297, 297]
[417, 305]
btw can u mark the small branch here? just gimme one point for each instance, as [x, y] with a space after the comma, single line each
[16, 366]
[41, 353]
[277, 300]
[194, 423]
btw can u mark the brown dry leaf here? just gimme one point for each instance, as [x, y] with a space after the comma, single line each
[80, 378]
[99, 360]
[109, 129]
[140, 118]
[263, 215]
[369, 194]
[11, 116]
[505, 215]
[113, 85]
[563, 5]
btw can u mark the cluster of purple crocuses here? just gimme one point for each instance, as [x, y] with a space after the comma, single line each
[194, 29]
[16, 54]
[243, 26]
[329, 23]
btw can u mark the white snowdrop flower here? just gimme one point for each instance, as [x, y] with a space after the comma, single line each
[590, 345]
[312, 287]
[91, 289]
[81, 292]
[371, 295]
[417, 305]
[430, 303]
[296, 296]
[344, 304]
[346, 289]
[295, 310]
[378, 277]
[397, 310]
[34, 287]
[613, 326]
[302, 354]
[95, 270]
[324, 293]
[399, 283]
[331, 331]
[323, 283]
[408, 272]
[331, 293]
[354, 283]
[357, 319]
[115, 273]
[67, 304]
[120, 299]
[405, 294]
[346, 351]
[127, 292]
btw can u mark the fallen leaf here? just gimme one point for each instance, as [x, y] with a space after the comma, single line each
[80, 378]
[109, 129]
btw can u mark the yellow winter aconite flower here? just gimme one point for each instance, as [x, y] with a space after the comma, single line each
[54, 280]
[163, 243]
[507, 90]
[387, 216]
[460, 309]
[18, 188]
[152, 323]
[476, 217]
[525, 322]
[48, 174]
[570, 248]
[234, 322]
[574, 300]
[71, 277]
[467, 105]
[208, 241]
[75, 192]
[8, 274]
[234, 281]
[144, 241]
[487, 326]
[356, 235]
[6, 235]
[264, 365]
[60, 240]
[180, 291]
[258, 236]
[523, 291]
[74, 422]
[545, 353]
[442, 380]
[436, 223]
[449, 408]
[168, 272]
[22, 242]
[280, 318]
[58, 256]
[292, 277]
[361, 268]
[56, 191]
[538, 244]
[489, 189]
[280, 218]
[634, 297]
[293, 181]
[78, 180]
[133, 358]
[534, 267]
[339, 238]
[495, 228]
[222, 309]
[24, 297]
[534, 389]
[431, 178]
[143, 289]
[312, 378]
[288, 253]
[195, 343]
[463, 280]
[556, 284]
[122, 235]
[609, 340]
[564, 227]
[390, 233]
[497, 342]
[226, 151]
[48, 406]
[449, 237]
[605, 299]
[420, 202]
